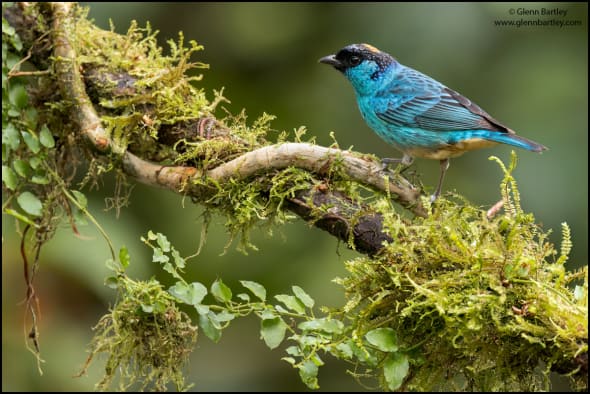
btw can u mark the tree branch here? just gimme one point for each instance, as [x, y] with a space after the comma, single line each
[70, 81]
[316, 159]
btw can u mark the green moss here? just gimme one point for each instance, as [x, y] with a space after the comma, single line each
[146, 338]
[479, 302]
[157, 89]
[458, 301]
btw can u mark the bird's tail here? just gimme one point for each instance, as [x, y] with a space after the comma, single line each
[515, 140]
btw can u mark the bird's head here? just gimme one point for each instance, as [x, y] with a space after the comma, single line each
[364, 65]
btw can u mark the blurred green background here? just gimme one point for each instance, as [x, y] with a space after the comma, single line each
[533, 79]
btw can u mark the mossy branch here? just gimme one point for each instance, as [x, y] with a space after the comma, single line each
[313, 158]
[70, 82]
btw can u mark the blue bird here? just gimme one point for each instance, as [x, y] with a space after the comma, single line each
[416, 114]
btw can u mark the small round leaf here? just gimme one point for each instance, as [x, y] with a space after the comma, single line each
[30, 203]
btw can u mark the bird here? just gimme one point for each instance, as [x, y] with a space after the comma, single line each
[416, 114]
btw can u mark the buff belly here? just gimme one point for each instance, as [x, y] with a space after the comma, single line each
[448, 151]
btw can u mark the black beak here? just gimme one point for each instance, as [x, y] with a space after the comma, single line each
[332, 61]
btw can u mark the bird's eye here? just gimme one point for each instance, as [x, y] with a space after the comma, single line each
[355, 60]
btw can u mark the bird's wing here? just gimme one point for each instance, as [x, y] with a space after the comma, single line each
[416, 100]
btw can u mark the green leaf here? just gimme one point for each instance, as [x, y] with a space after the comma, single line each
[256, 288]
[10, 136]
[163, 242]
[18, 45]
[383, 339]
[178, 260]
[182, 292]
[331, 326]
[199, 291]
[13, 38]
[80, 198]
[267, 314]
[294, 351]
[225, 316]
[80, 218]
[31, 117]
[303, 296]
[46, 138]
[112, 282]
[395, 369]
[9, 178]
[273, 331]
[308, 371]
[151, 236]
[220, 291]
[291, 302]
[20, 217]
[159, 257]
[214, 320]
[124, 257]
[18, 97]
[280, 309]
[30, 203]
[191, 294]
[22, 168]
[344, 350]
[6, 28]
[168, 267]
[31, 141]
[307, 341]
[365, 355]
[244, 297]
[40, 179]
[34, 162]
[202, 309]
[209, 329]
[316, 359]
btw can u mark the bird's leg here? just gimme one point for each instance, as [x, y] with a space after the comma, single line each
[403, 165]
[444, 166]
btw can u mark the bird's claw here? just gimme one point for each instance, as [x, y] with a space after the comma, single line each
[402, 164]
[385, 162]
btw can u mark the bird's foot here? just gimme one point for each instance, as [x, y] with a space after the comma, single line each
[387, 161]
[402, 164]
[444, 166]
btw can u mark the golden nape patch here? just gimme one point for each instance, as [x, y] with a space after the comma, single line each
[371, 48]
